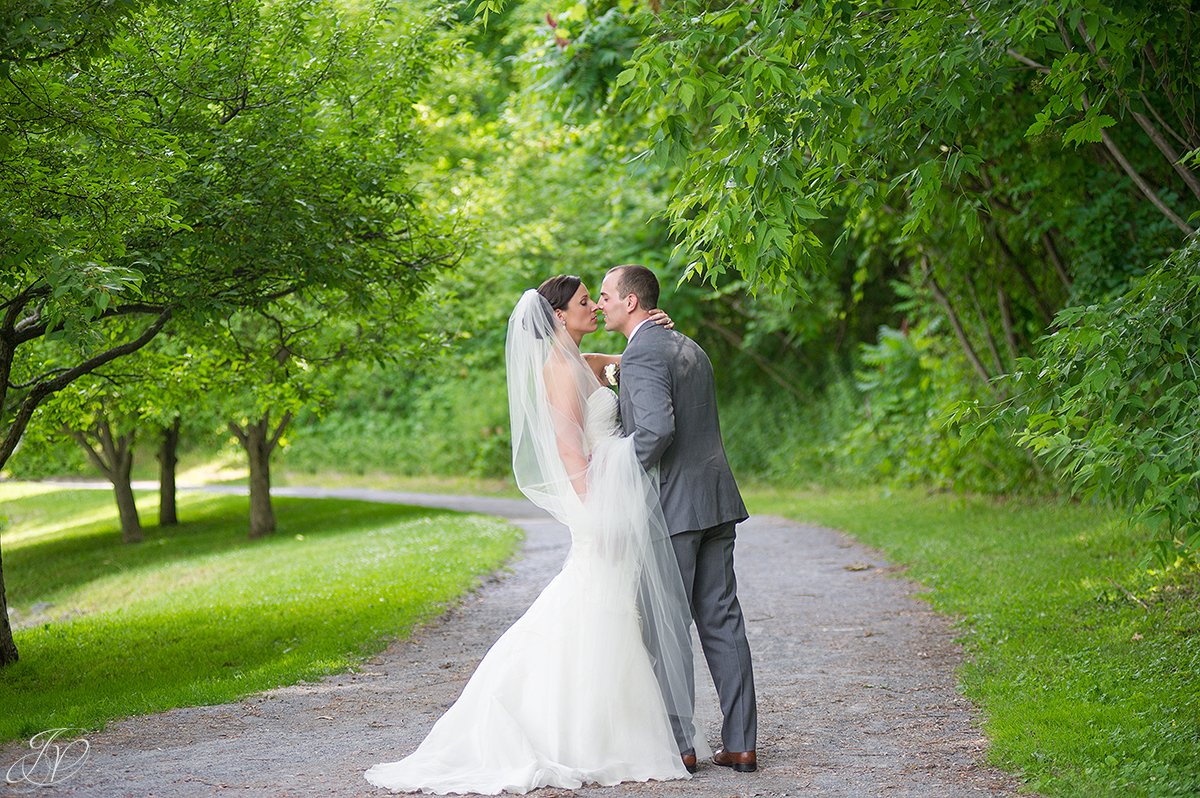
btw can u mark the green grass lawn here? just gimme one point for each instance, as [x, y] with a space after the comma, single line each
[1086, 692]
[199, 614]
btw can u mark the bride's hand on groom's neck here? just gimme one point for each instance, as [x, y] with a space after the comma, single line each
[661, 318]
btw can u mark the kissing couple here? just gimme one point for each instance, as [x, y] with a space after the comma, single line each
[594, 683]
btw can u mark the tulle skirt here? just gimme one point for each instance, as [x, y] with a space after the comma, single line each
[566, 697]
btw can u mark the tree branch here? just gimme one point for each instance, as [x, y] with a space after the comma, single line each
[33, 326]
[736, 340]
[989, 339]
[961, 333]
[42, 390]
[1019, 267]
[1168, 152]
[98, 461]
[1056, 259]
[1029, 62]
[1139, 181]
[279, 428]
[239, 433]
[1189, 125]
[1006, 321]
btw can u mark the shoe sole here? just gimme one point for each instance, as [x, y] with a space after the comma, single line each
[737, 766]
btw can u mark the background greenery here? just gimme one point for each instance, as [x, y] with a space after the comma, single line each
[941, 246]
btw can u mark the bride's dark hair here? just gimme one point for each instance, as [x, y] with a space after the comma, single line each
[559, 289]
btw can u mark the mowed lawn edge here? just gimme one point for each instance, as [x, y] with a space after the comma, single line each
[198, 613]
[1084, 661]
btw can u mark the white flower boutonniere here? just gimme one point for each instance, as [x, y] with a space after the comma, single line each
[612, 374]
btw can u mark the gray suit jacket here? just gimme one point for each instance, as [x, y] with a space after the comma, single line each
[668, 404]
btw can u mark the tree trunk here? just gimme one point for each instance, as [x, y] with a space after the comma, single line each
[115, 461]
[985, 325]
[259, 441]
[738, 342]
[262, 514]
[956, 323]
[1188, 121]
[1143, 185]
[1056, 259]
[167, 460]
[1018, 266]
[1164, 146]
[1010, 336]
[131, 525]
[43, 388]
[8, 647]
[120, 455]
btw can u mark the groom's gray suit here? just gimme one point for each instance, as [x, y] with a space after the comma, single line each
[668, 404]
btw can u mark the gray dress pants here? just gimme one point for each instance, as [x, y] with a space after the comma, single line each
[706, 564]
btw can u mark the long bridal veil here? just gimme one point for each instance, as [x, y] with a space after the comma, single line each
[594, 484]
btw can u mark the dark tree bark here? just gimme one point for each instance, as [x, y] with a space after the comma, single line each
[737, 341]
[259, 440]
[43, 387]
[956, 323]
[8, 648]
[1035, 293]
[1148, 191]
[1010, 335]
[167, 460]
[114, 458]
[1056, 259]
[985, 325]
[1186, 119]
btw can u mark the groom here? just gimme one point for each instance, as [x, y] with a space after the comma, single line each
[668, 404]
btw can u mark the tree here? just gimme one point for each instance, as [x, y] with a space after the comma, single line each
[92, 170]
[269, 155]
[1110, 401]
[1005, 160]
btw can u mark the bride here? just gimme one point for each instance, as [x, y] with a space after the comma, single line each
[590, 685]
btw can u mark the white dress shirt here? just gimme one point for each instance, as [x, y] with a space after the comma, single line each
[635, 329]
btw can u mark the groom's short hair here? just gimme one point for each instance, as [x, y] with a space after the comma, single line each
[633, 278]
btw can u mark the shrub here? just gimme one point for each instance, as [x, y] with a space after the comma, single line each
[907, 430]
[1111, 400]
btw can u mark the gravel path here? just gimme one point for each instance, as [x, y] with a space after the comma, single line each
[855, 681]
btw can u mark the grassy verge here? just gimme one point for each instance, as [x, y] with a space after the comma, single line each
[474, 486]
[1086, 665]
[198, 613]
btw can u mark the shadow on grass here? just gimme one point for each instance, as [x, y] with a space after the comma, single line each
[199, 614]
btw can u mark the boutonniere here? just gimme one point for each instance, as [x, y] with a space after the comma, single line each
[612, 374]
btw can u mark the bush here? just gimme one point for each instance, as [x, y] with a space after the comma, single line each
[775, 437]
[38, 458]
[449, 424]
[907, 430]
[1110, 401]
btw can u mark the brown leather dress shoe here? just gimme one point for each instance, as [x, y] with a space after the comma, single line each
[689, 762]
[741, 761]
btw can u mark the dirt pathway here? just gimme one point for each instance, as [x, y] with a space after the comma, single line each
[855, 679]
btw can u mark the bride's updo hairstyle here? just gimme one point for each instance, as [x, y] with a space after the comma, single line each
[559, 289]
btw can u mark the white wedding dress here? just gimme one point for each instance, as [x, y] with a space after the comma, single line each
[568, 695]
